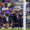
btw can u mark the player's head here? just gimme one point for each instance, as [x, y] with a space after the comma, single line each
[21, 10]
[2, 15]
[0, 10]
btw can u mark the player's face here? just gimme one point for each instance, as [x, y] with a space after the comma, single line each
[0, 11]
[2, 16]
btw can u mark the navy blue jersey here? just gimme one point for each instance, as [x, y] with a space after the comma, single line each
[0, 19]
[10, 16]
[14, 16]
[4, 20]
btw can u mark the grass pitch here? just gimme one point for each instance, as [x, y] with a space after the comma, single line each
[27, 28]
[13, 29]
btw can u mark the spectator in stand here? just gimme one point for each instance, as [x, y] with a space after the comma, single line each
[5, 4]
[1, 4]
[4, 8]
[12, 4]
[9, 4]
[3, 1]
[28, 7]
[8, 0]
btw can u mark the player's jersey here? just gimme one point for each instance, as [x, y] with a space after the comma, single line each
[0, 19]
[4, 20]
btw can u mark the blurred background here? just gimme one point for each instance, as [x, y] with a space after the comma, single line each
[27, 0]
[28, 14]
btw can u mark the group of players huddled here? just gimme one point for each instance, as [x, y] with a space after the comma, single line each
[13, 19]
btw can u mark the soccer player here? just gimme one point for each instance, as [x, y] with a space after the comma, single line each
[4, 21]
[10, 19]
[0, 17]
[21, 17]
[0, 21]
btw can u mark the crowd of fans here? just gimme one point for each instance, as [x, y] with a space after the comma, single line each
[7, 6]
[8, 17]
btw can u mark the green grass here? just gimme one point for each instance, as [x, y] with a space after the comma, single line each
[15, 29]
[27, 28]
[12, 29]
